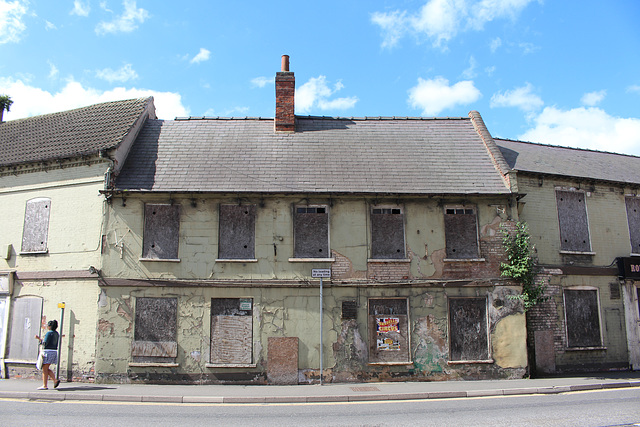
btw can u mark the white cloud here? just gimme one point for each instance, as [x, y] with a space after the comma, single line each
[202, 56]
[125, 73]
[126, 22]
[316, 93]
[30, 100]
[393, 26]
[520, 97]
[53, 70]
[436, 95]
[633, 88]
[49, 25]
[592, 99]
[590, 128]
[470, 72]
[495, 44]
[441, 20]
[80, 8]
[11, 23]
[262, 81]
[231, 112]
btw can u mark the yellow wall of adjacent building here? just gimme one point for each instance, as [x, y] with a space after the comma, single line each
[73, 245]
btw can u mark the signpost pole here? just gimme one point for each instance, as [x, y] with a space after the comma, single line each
[320, 330]
[321, 273]
[61, 306]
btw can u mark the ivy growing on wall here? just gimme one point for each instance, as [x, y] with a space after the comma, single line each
[521, 264]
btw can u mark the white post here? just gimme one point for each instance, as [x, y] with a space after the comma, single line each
[321, 331]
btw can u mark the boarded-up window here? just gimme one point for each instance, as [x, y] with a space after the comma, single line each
[582, 314]
[155, 330]
[388, 330]
[36, 225]
[468, 337]
[161, 231]
[237, 232]
[387, 233]
[231, 331]
[26, 314]
[311, 232]
[461, 232]
[572, 218]
[633, 217]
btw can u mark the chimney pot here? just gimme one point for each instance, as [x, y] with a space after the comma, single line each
[285, 63]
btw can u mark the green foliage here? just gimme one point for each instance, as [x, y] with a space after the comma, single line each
[5, 102]
[521, 265]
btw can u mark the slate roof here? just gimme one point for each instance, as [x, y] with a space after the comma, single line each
[66, 134]
[573, 162]
[326, 155]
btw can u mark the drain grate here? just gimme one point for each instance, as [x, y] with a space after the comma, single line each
[365, 389]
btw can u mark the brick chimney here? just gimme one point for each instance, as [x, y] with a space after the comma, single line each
[285, 93]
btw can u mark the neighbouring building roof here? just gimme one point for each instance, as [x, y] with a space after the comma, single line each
[573, 162]
[66, 134]
[330, 155]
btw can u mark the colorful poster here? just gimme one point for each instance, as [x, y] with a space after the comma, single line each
[386, 344]
[387, 324]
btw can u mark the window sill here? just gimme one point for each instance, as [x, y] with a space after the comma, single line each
[464, 260]
[389, 363]
[577, 253]
[405, 260]
[237, 260]
[159, 259]
[585, 348]
[469, 362]
[35, 252]
[312, 259]
[230, 365]
[153, 365]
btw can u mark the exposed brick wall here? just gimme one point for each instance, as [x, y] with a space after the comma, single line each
[285, 97]
[491, 250]
[388, 271]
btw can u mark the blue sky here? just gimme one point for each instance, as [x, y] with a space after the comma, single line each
[558, 72]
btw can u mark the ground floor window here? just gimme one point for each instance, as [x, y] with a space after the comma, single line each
[468, 332]
[582, 315]
[155, 330]
[231, 331]
[388, 330]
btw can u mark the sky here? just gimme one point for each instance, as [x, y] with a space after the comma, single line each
[559, 72]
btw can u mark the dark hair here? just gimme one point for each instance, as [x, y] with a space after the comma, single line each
[53, 324]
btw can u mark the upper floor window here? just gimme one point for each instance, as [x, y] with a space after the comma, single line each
[36, 225]
[387, 233]
[633, 217]
[461, 232]
[237, 232]
[311, 232]
[573, 222]
[161, 232]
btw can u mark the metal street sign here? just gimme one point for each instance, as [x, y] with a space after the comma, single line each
[321, 272]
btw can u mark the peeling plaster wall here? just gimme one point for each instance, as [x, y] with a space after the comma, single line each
[293, 312]
[350, 237]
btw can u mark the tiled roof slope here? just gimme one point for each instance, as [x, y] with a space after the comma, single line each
[574, 162]
[85, 130]
[337, 155]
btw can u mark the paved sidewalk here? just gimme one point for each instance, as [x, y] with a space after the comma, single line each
[26, 389]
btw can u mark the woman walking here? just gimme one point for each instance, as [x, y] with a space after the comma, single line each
[50, 354]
